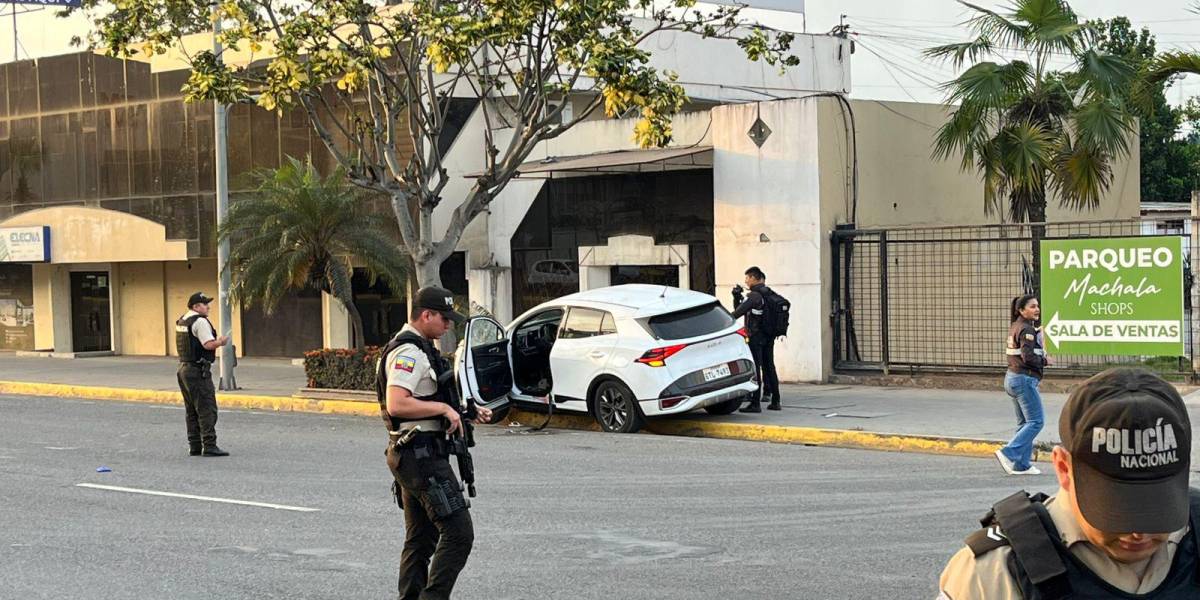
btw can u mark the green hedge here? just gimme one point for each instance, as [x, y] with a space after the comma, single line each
[341, 369]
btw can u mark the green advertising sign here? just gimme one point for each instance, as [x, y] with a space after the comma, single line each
[1111, 296]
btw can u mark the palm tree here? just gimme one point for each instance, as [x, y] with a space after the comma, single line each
[299, 231]
[1168, 65]
[1028, 129]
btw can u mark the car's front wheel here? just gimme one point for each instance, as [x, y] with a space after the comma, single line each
[725, 408]
[615, 408]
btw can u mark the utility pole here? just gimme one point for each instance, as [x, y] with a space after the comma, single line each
[227, 356]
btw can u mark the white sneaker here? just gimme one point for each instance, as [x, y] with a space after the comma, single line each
[1032, 470]
[1005, 463]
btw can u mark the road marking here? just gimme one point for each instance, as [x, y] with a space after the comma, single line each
[115, 488]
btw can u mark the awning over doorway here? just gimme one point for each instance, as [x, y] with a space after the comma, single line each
[80, 235]
[652, 160]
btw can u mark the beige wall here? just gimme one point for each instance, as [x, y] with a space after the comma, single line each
[141, 315]
[186, 278]
[80, 234]
[900, 184]
[51, 308]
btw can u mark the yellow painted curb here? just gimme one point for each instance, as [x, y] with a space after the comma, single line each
[225, 400]
[813, 436]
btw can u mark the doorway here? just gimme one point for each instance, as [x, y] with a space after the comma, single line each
[91, 316]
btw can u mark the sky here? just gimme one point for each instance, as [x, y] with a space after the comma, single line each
[889, 35]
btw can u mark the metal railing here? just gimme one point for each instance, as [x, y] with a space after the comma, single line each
[936, 299]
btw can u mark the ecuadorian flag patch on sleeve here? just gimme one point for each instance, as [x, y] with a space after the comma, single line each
[405, 363]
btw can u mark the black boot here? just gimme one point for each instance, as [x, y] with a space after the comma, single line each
[194, 450]
[213, 451]
[753, 407]
[774, 405]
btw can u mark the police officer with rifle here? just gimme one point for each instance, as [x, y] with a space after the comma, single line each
[426, 425]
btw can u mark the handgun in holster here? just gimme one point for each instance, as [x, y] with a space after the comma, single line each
[445, 499]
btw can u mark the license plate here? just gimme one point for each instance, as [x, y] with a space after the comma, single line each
[715, 373]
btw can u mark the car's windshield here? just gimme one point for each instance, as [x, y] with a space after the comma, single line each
[691, 322]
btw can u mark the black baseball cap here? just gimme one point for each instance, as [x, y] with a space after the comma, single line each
[198, 298]
[440, 300]
[1130, 441]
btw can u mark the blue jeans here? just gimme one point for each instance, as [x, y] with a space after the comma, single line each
[1023, 389]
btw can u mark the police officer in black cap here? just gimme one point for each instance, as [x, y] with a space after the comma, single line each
[420, 416]
[1124, 523]
[196, 341]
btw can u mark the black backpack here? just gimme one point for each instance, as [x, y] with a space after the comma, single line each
[775, 314]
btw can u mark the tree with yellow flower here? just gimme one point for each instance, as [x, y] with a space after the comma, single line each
[375, 80]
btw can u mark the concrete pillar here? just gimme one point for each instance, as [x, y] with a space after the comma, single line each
[52, 308]
[336, 329]
[767, 213]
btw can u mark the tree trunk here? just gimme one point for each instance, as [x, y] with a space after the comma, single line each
[429, 273]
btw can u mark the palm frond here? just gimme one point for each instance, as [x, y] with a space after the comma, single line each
[1170, 64]
[1104, 124]
[993, 26]
[962, 52]
[1082, 174]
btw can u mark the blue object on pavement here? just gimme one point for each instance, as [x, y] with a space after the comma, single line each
[103, 470]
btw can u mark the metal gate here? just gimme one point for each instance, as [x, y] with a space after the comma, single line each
[936, 299]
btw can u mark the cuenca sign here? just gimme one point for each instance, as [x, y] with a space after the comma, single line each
[24, 244]
[1108, 296]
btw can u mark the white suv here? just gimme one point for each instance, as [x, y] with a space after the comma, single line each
[619, 353]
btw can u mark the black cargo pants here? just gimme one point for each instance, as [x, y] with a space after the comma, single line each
[436, 545]
[199, 404]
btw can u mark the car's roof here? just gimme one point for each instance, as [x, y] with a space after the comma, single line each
[637, 299]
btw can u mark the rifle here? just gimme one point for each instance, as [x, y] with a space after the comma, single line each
[464, 439]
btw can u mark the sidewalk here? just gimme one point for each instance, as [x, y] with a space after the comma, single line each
[963, 422]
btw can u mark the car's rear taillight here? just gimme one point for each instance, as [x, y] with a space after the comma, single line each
[745, 334]
[658, 356]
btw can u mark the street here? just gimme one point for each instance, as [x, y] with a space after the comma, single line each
[560, 514]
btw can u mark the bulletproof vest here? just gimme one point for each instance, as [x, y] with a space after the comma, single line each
[440, 368]
[188, 345]
[1046, 570]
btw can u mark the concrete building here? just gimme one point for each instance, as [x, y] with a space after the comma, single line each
[762, 168]
[105, 157]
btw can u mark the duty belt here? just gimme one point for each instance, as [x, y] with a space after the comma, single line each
[410, 429]
[423, 426]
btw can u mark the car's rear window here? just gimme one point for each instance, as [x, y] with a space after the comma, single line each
[701, 320]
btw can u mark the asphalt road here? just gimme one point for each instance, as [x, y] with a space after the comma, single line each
[573, 515]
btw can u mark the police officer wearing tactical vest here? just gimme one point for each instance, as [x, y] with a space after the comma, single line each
[1123, 523]
[762, 343]
[420, 417]
[196, 341]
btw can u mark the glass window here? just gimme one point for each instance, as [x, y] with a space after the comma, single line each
[581, 323]
[608, 325]
[693, 322]
[483, 332]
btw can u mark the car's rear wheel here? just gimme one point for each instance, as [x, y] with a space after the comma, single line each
[615, 408]
[726, 407]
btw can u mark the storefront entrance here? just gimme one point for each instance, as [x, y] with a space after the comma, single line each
[91, 316]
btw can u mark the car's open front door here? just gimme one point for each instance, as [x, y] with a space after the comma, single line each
[482, 364]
